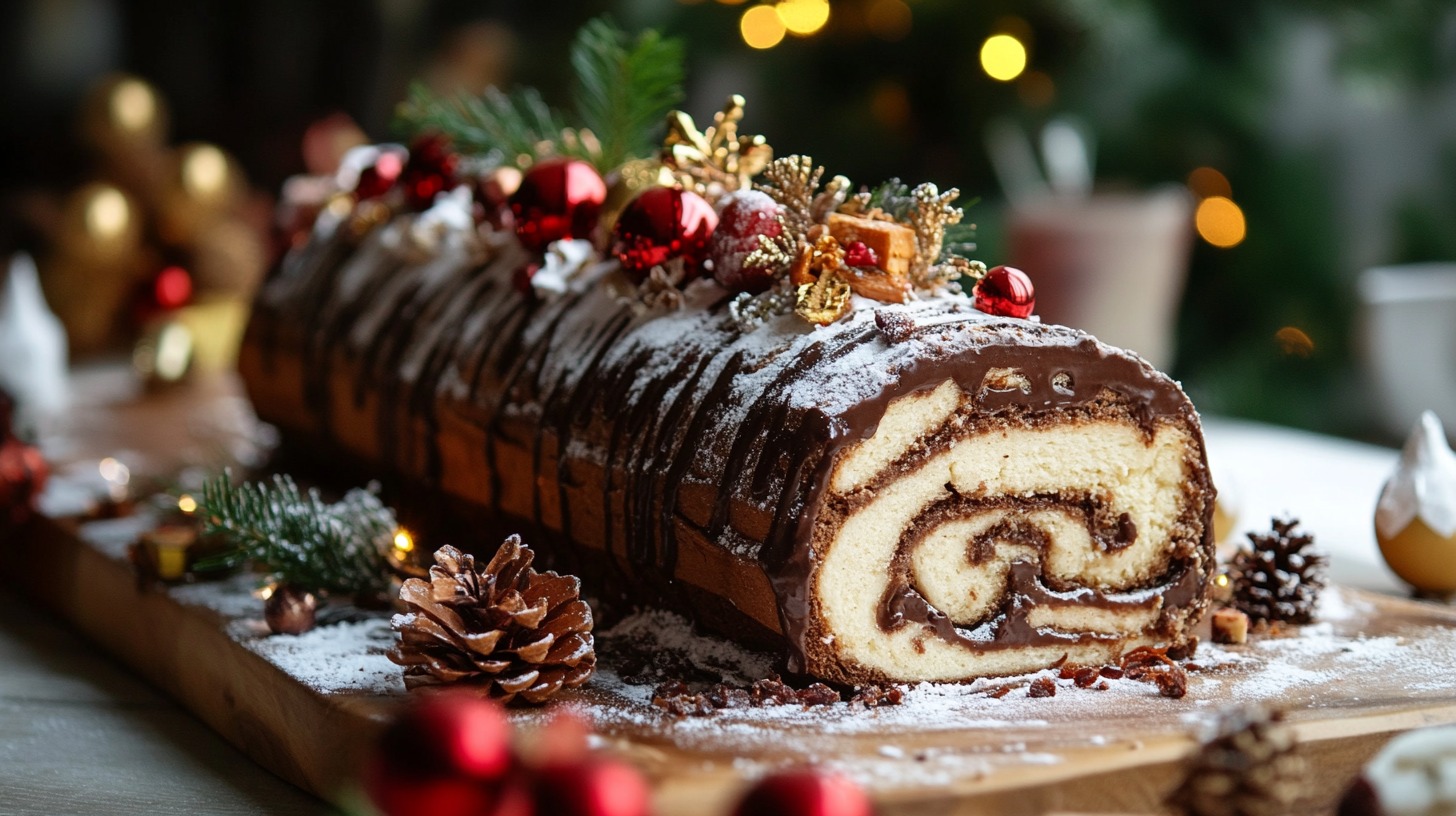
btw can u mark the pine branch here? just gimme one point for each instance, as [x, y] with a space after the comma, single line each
[305, 542]
[517, 127]
[625, 87]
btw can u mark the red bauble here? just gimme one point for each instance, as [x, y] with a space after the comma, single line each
[23, 474]
[661, 224]
[594, 787]
[1006, 292]
[445, 756]
[857, 254]
[558, 199]
[429, 171]
[743, 217]
[380, 175]
[805, 793]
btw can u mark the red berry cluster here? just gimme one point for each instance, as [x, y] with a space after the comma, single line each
[452, 755]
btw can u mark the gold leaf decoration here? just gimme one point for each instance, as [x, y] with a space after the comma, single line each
[717, 159]
[793, 182]
[823, 301]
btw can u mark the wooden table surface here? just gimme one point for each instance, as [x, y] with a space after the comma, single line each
[80, 734]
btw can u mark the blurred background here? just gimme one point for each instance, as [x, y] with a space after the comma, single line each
[1219, 174]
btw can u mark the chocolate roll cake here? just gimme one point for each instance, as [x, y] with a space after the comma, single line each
[910, 491]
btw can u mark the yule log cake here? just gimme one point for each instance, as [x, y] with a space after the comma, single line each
[756, 396]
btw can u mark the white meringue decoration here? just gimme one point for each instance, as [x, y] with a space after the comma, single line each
[562, 262]
[448, 220]
[1423, 485]
[33, 348]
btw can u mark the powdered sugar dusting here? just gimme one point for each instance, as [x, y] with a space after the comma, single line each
[341, 658]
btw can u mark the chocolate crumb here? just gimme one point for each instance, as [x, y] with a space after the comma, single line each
[1111, 672]
[876, 696]
[1085, 677]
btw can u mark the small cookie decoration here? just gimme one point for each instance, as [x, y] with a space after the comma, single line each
[1415, 520]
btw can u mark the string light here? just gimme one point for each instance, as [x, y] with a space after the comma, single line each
[403, 541]
[1003, 57]
[187, 504]
[803, 17]
[762, 27]
[1220, 222]
[133, 105]
[172, 288]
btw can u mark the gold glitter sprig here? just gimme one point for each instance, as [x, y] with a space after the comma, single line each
[775, 252]
[718, 159]
[932, 212]
[793, 182]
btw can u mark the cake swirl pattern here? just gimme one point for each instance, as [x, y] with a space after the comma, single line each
[962, 496]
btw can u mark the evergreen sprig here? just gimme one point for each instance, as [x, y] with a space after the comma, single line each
[310, 544]
[625, 87]
[509, 125]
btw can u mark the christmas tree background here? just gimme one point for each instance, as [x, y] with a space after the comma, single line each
[1333, 123]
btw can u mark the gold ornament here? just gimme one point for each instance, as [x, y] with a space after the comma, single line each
[1415, 519]
[718, 159]
[823, 301]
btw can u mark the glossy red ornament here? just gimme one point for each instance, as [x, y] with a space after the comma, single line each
[23, 470]
[592, 787]
[1006, 292]
[558, 199]
[743, 217]
[805, 793]
[857, 254]
[379, 176]
[661, 224]
[447, 755]
[429, 171]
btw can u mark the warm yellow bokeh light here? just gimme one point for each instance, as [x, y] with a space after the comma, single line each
[1294, 341]
[107, 213]
[1206, 181]
[133, 105]
[889, 19]
[1003, 57]
[732, 2]
[187, 504]
[803, 17]
[1220, 222]
[403, 541]
[761, 27]
[204, 171]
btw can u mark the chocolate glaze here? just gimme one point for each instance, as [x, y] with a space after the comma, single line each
[653, 413]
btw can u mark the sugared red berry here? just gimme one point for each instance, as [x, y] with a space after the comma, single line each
[743, 217]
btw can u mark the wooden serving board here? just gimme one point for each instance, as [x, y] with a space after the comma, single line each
[1373, 666]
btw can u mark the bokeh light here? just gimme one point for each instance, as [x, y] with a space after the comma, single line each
[403, 541]
[204, 171]
[133, 105]
[890, 104]
[803, 17]
[889, 19]
[172, 288]
[761, 27]
[1036, 89]
[1206, 182]
[1003, 57]
[187, 504]
[1220, 222]
[107, 213]
[1294, 341]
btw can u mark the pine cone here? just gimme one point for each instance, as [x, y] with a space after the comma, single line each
[1280, 577]
[1247, 768]
[517, 631]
